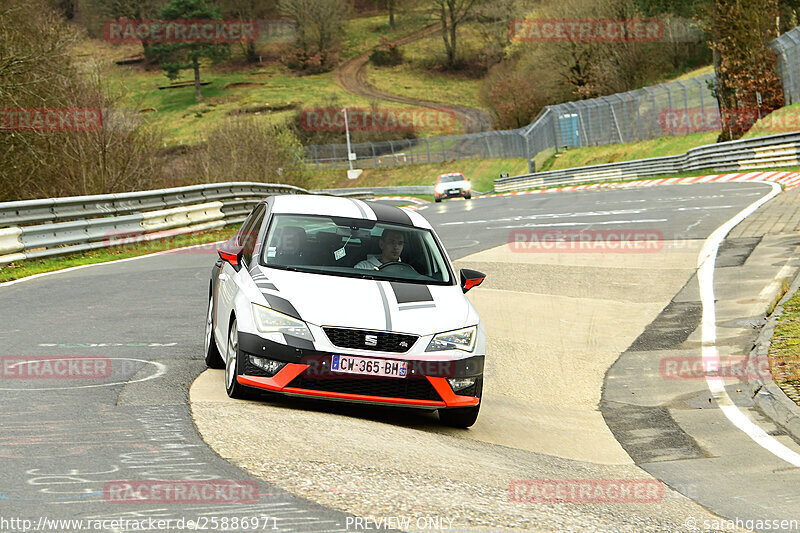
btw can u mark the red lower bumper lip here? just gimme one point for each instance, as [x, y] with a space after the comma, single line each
[279, 382]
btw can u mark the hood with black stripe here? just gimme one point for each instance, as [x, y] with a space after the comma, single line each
[368, 304]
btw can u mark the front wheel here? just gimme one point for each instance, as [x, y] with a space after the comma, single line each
[438, 200]
[468, 197]
[233, 365]
[460, 417]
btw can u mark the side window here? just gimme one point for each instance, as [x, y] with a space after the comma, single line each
[246, 225]
[249, 235]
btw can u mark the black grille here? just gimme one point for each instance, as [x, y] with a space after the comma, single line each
[413, 389]
[356, 338]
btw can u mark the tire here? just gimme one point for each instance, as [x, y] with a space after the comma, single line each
[213, 357]
[437, 200]
[233, 364]
[461, 417]
[468, 197]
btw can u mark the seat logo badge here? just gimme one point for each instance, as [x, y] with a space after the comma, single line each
[371, 340]
[404, 344]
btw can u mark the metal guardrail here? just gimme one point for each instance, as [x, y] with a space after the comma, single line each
[748, 154]
[410, 190]
[58, 226]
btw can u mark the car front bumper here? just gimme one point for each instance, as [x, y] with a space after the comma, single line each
[453, 193]
[307, 373]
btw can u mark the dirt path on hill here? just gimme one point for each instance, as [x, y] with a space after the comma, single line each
[351, 76]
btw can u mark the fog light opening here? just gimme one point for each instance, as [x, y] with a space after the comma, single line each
[458, 384]
[270, 366]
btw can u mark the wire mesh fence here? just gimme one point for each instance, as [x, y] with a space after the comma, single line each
[676, 108]
[488, 145]
[787, 47]
[668, 109]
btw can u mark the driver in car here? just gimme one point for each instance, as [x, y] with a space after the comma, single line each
[391, 244]
[290, 250]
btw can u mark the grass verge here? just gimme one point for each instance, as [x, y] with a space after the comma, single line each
[480, 172]
[598, 155]
[30, 267]
[784, 350]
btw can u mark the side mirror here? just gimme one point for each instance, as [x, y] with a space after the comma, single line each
[231, 255]
[471, 278]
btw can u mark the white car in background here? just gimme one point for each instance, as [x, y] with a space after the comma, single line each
[303, 302]
[452, 185]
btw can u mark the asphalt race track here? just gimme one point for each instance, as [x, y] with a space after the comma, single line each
[556, 323]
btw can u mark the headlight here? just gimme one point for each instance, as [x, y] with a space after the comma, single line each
[460, 339]
[270, 321]
[441, 188]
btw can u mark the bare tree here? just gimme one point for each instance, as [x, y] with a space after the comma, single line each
[390, 4]
[319, 23]
[451, 13]
[37, 71]
[248, 10]
[494, 20]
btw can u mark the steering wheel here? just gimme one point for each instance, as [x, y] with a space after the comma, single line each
[398, 264]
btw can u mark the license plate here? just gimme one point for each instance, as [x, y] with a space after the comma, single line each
[346, 364]
[454, 191]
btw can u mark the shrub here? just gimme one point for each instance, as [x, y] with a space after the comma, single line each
[386, 55]
[247, 149]
[309, 63]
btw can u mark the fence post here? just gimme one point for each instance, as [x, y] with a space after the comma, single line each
[374, 157]
[428, 147]
[638, 117]
[556, 129]
[686, 107]
[669, 100]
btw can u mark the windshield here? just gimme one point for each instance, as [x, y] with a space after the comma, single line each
[452, 177]
[354, 248]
